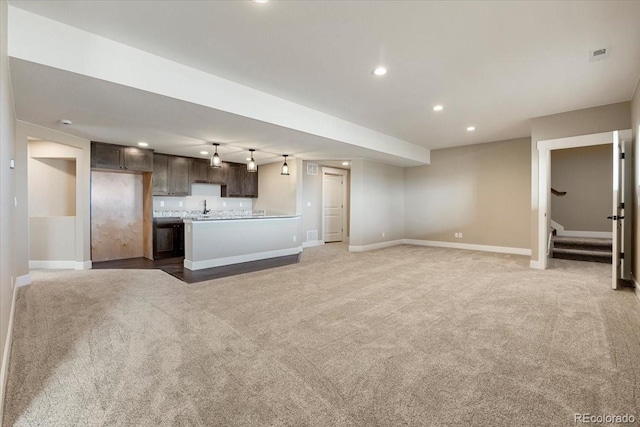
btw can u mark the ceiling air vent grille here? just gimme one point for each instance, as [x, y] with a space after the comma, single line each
[312, 169]
[598, 54]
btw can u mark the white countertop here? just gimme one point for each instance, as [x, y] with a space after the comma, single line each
[205, 218]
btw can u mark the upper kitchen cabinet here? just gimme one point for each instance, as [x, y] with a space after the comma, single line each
[171, 175]
[219, 175]
[240, 182]
[199, 171]
[202, 172]
[118, 157]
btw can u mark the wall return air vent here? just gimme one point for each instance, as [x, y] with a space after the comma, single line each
[599, 54]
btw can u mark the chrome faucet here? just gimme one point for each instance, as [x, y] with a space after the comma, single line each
[205, 211]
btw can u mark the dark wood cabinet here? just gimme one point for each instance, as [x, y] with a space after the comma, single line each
[168, 238]
[240, 182]
[233, 186]
[250, 184]
[219, 175]
[171, 175]
[199, 171]
[138, 159]
[118, 157]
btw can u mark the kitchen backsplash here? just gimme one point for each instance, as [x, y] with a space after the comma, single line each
[195, 202]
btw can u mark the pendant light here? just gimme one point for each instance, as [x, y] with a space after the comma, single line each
[252, 166]
[285, 166]
[216, 161]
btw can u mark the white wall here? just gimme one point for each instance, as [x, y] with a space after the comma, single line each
[377, 204]
[52, 187]
[53, 144]
[7, 211]
[200, 193]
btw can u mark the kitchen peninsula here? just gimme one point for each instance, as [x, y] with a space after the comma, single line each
[216, 241]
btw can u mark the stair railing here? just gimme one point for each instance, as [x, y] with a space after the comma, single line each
[549, 243]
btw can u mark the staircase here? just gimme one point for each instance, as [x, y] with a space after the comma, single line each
[581, 249]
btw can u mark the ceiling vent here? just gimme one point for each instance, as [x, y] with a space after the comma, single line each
[599, 54]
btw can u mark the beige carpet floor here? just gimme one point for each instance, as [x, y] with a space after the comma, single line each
[401, 336]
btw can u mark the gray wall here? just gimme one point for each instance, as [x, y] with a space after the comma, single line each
[585, 173]
[580, 122]
[277, 193]
[311, 202]
[7, 152]
[480, 190]
[635, 127]
[377, 202]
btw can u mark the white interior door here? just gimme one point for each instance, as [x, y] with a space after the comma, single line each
[333, 207]
[616, 216]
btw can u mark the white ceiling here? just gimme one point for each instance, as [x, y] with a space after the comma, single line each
[124, 115]
[494, 65]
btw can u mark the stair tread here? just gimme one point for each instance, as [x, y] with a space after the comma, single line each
[582, 240]
[582, 252]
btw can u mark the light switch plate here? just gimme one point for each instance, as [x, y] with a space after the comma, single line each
[308, 204]
[12, 164]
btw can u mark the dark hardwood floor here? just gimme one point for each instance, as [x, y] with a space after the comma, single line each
[175, 267]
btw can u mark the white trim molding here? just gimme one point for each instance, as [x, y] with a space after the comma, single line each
[536, 265]
[83, 265]
[373, 246]
[23, 280]
[592, 234]
[52, 265]
[237, 259]
[469, 246]
[312, 243]
[6, 351]
[636, 286]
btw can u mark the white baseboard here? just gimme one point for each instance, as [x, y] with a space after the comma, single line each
[23, 280]
[469, 246]
[6, 352]
[52, 265]
[373, 246]
[219, 262]
[536, 265]
[312, 243]
[636, 286]
[592, 234]
[83, 265]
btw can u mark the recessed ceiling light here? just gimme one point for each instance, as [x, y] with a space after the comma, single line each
[471, 128]
[261, 1]
[204, 152]
[345, 163]
[66, 122]
[438, 108]
[143, 144]
[379, 71]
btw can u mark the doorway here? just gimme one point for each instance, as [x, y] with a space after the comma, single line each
[621, 192]
[334, 204]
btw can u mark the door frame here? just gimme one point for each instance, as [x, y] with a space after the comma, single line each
[544, 180]
[344, 173]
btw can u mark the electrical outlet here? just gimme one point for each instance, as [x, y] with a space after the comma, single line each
[224, 203]
[294, 238]
[308, 204]
[383, 234]
[162, 203]
[460, 235]
[240, 204]
[180, 204]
